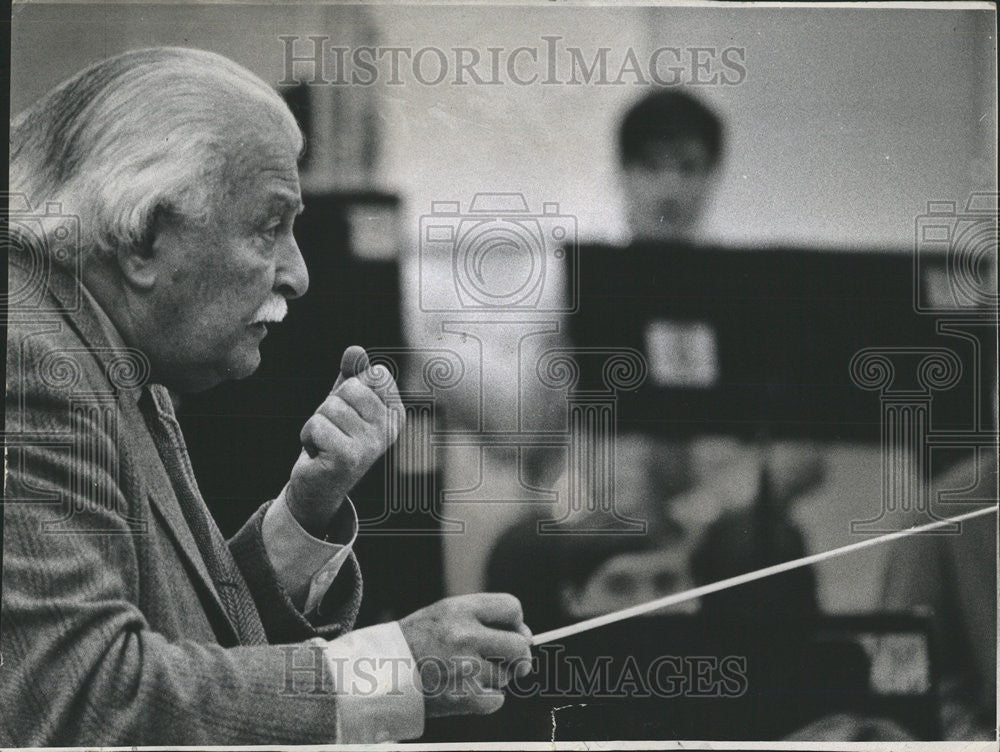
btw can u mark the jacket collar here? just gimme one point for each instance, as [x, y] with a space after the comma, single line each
[127, 368]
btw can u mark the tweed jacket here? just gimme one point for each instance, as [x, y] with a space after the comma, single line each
[113, 630]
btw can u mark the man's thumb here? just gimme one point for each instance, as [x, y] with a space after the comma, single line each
[353, 363]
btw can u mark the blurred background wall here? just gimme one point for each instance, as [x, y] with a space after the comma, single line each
[847, 122]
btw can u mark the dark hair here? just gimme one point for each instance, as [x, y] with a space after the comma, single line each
[665, 116]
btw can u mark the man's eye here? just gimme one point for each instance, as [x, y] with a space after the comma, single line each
[270, 233]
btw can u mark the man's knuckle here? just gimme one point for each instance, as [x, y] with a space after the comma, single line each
[330, 408]
[509, 603]
[308, 428]
[463, 637]
[356, 457]
[350, 389]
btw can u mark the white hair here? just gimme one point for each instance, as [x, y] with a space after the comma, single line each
[150, 130]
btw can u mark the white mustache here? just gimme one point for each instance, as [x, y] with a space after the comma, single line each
[274, 309]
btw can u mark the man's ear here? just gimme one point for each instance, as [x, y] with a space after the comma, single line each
[138, 269]
[141, 263]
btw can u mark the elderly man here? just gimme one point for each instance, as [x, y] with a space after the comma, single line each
[162, 187]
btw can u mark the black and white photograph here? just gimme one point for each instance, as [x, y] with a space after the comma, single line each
[529, 374]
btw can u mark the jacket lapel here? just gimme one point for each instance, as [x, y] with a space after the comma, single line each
[164, 502]
[86, 321]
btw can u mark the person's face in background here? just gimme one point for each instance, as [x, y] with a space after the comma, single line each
[628, 579]
[666, 191]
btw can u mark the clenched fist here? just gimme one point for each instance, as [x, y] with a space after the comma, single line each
[356, 423]
[467, 648]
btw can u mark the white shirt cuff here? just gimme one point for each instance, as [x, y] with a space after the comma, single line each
[306, 566]
[378, 687]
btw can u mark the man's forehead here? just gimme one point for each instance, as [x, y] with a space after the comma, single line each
[267, 165]
[272, 187]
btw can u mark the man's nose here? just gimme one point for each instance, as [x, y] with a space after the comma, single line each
[292, 278]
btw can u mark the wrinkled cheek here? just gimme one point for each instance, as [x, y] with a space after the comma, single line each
[254, 285]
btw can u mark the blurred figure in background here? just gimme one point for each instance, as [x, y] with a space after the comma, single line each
[670, 148]
[561, 576]
[670, 145]
[697, 493]
[617, 571]
[955, 577]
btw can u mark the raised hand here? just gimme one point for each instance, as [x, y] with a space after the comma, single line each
[349, 431]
